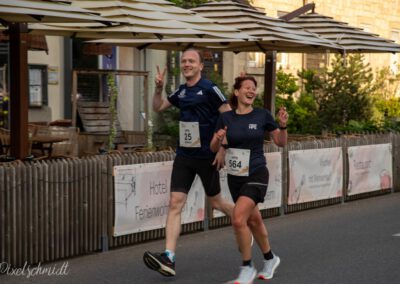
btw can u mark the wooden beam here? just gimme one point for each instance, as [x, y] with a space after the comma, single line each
[298, 12]
[18, 90]
[270, 81]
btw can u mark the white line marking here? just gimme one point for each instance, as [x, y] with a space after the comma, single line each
[396, 235]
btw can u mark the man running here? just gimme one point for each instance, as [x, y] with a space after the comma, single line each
[200, 101]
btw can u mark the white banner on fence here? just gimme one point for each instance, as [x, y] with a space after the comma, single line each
[315, 174]
[370, 168]
[273, 198]
[142, 195]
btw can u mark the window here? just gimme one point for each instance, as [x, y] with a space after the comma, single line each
[256, 59]
[37, 85]
[282, 60]
[394, 58]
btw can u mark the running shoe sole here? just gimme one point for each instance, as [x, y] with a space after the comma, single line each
[154, 264]
[260, 276]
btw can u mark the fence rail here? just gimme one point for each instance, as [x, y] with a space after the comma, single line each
[50, 210]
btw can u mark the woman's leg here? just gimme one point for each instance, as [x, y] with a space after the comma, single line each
[244, 207]
[259, 230]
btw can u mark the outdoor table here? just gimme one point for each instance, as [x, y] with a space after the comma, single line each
[45, 142]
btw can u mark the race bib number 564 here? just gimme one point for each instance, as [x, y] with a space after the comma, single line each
[237, 161]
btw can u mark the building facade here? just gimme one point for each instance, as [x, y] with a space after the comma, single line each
[379, 17]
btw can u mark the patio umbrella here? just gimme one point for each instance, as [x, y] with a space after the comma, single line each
[352, 39]
[142, 19]
[274, 34]
[14, 14]
[266, 33]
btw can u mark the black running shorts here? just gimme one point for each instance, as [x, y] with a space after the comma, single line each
[254, 186]
[184, 171]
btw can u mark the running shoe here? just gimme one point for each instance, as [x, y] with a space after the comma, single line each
[269, 268]
[246, 275]
[159, 262]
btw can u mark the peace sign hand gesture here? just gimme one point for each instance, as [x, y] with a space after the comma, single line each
[160, 78]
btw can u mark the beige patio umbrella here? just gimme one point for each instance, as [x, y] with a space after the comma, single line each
[274, 34]
[267, 33]
[14, 14]
[352, 39]
[142, 19]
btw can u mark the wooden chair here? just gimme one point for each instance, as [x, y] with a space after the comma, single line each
[96, 120]
[4, 141]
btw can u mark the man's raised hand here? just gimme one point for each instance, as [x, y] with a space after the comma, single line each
[160, 78]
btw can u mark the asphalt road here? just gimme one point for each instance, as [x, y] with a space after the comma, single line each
[355, 242]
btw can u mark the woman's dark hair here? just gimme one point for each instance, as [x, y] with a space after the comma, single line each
[238, 84]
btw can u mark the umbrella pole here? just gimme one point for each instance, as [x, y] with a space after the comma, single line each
[270, 81]
[18, 90]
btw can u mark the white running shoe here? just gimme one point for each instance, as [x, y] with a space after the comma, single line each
[246, 276]
[269, 268]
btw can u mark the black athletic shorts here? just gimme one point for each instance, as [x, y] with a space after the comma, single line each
[254, 186]
[184, 171]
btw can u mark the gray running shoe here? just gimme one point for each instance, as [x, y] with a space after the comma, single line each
[246, 275]
[269, 268]
[159, 262]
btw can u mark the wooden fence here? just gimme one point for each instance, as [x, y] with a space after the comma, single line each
[55, 209]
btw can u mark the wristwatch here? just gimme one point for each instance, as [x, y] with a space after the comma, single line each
[225, 146]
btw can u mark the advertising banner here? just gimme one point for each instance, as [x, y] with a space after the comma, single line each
[370, 168]
[315, 174]
[142, 195]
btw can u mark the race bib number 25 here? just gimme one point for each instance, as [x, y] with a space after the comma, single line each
[189, 134]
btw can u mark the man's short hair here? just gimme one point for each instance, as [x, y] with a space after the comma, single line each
[199, 52]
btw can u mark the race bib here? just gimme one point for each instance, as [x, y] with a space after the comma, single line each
[189, 134]
[237, 161]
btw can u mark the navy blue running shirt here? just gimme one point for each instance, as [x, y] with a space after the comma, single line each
[246, 131]
[199, 103]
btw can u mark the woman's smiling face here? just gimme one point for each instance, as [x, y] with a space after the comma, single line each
[247, 93]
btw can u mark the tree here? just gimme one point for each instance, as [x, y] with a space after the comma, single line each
[345, 94]
[307, 106]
